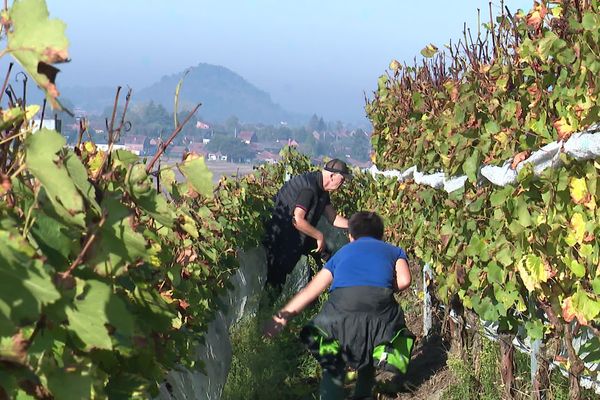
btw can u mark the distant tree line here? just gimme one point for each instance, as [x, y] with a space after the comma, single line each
[316, 137]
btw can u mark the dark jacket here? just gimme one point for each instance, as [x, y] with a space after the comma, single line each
[280, 228]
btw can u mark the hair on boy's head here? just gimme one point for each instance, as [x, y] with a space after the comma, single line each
[366, 223]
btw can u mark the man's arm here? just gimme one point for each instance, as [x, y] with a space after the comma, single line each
[303, 298]
[403, 277]
[305, 227]
[336, 220]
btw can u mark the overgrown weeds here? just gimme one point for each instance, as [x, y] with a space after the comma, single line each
[478, 377]
[279, 368]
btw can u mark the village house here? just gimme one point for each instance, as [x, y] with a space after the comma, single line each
[52, 124]
[177, 151]
[218, 156]
[267, 157]
[248, 137]
[197, 148]
[137, 144]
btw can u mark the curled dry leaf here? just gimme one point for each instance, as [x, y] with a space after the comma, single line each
[5, 183]
[563, 128]
[519, 158]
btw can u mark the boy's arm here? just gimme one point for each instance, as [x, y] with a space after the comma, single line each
[403, 277]
[303, 298]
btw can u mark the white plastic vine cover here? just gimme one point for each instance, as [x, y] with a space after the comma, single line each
[581, 146]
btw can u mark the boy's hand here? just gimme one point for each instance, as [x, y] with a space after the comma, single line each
[275, 325]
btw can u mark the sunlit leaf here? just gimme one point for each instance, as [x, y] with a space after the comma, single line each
[429, 50]
[577, 228]
[46, 165]
[579, 191]
[580, 306]
[37, 42]
[94, 312]
[532, 271]
[198, 175]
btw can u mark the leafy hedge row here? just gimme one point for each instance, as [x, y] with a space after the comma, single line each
[529, 81]
[108, 284]
[110, 269]
[525, 255]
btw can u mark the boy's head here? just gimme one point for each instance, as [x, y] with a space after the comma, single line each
[365, 223]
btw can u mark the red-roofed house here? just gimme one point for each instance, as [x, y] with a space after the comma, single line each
[248, 137]
[197, 148]
[137, 144]
[267, 157]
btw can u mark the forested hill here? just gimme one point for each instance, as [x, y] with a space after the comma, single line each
[222, 92]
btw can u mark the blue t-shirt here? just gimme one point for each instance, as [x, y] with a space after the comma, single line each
[364, 262]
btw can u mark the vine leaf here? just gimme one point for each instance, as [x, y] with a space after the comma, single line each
[68, 384]
[80, 178]
[44, 163]
[24, 283]
[37, 42]
[94, 312]
[429, 50]
[576, 267]
[198, 175]
[563, 128]
[532, 272]
[580, 306]
[118, 242]
[55, 239]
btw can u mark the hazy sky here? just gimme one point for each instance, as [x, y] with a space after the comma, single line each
[311, 56]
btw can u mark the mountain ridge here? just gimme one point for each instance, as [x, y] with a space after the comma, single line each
[222, 92]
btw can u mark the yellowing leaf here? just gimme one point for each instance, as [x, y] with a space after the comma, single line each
[31, 110]
[429, 51]
[501, 137]
[557, 11]
[581, 306]
[395, 65]
[95, 162]
[577, 227]
[578, 190]
[534, 19]
[90, 147]
[563, 128]
[532, 271]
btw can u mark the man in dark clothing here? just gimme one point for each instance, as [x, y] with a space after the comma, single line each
[299, 205]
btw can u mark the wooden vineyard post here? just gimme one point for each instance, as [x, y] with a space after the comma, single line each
[507, 370]
[540, 371]
[576, 365]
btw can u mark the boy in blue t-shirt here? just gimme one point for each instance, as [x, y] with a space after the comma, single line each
[361, 313]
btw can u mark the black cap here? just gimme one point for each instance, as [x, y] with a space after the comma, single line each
[338, 166]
